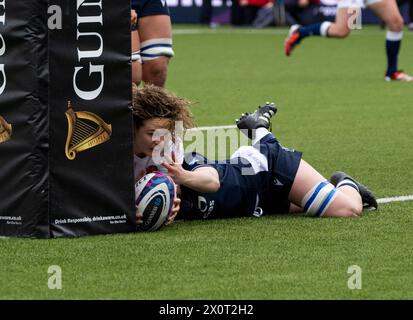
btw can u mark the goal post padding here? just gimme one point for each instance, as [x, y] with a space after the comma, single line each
[66, 154]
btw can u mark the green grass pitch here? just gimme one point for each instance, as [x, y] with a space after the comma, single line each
[335, 107]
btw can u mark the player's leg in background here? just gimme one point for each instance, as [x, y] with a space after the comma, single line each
[338, 29]
[389, 12]
[136, 58]
[155, 34]
[317, 197]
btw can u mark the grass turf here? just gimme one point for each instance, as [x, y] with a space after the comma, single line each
[334, 106]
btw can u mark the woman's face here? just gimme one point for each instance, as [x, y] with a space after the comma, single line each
[143, 140]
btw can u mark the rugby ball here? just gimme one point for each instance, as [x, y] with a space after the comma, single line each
[154, 198]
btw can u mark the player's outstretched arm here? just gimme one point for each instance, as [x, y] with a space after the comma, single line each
[202, 179]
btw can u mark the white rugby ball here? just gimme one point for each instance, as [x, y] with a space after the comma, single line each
[154, 198]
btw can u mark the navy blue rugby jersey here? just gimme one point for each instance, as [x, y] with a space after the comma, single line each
[238, 195]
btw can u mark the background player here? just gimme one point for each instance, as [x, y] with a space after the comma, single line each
[151, 42]
[387, 10]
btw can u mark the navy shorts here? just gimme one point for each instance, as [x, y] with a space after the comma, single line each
[283, 164]
[146, 8]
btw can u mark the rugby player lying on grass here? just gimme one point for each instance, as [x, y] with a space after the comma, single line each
[265, 178]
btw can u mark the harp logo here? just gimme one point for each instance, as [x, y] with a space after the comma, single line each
[85, 130]
[5, 130]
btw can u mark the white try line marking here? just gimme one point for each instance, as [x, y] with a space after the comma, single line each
[231, 126]
[395, 199]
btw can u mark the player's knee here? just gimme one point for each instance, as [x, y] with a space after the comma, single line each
[343, 32]
[155, 55]
[136, 76]
[396, 24]
[357, 208]
[350, 210]
[136, 68]
[156, 74]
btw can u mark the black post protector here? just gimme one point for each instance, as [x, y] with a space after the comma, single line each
[66, 156]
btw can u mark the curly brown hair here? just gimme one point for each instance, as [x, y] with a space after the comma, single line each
[151, 101]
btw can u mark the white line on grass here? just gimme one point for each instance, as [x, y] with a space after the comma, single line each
[233, 126]
[395, 199]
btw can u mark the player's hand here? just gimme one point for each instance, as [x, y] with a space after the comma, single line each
[139, 217]
[175, 170]
[174, 212]
[133, 18]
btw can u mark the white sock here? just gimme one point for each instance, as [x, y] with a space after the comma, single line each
[324, 28]
[394, 36]
[259, 134]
